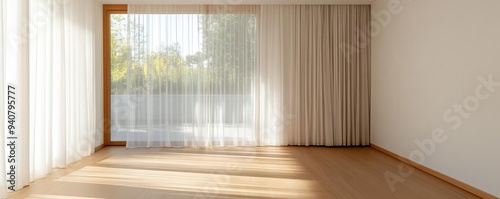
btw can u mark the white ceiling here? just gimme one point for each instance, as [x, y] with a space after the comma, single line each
[242, 2]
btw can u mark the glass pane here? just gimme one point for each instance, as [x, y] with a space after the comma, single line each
[183, 79]
[118, 56]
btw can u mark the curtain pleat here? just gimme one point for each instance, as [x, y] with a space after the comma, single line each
[47, 56]
[321, 74]
[15, 60]
[62, 76]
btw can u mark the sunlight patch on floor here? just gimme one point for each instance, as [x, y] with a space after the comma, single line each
[243, 164]
[214, 183]
[45, 196]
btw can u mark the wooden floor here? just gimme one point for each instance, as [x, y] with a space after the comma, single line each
[236, 172]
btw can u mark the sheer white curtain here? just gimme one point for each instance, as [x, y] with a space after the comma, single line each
[314, 74]
[15, 55]
[190, 77]
[3, 182]
[47, 52]
[62, 102]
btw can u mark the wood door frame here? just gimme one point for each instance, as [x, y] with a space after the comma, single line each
[109, 9]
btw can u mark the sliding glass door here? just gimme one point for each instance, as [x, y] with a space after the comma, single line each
[181, 77]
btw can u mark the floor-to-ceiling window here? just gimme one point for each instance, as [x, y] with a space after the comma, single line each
[182, 77]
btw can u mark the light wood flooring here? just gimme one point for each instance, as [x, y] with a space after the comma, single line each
[236, 172]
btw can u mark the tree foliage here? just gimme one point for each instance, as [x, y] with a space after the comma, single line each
[224, 65]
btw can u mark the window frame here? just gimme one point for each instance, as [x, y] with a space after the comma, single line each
[108, 10]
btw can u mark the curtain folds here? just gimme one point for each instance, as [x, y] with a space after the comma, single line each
[62, 102]
[3, 182]
[15, 55]
[315, 74]
[47, 54]
[245, 76]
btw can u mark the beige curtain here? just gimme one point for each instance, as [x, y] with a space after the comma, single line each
[314, 75]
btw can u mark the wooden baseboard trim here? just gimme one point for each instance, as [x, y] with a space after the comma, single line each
[435, 173]
[99, 147]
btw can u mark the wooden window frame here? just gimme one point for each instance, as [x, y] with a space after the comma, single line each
[107, 11]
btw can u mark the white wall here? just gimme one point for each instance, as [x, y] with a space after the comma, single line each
[99, 138]
[427, 57]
